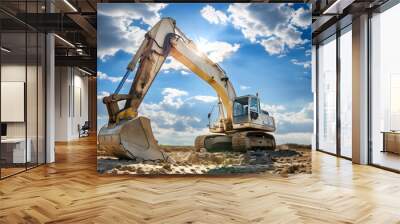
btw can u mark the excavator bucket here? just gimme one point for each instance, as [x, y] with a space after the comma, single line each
[131, 139]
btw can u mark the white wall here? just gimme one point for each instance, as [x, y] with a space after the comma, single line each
[61, 103]
[33, 126]
[13, 73]
[71, 102]
[80, 110]
[16, 73]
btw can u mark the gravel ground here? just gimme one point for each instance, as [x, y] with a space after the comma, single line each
[283, 161]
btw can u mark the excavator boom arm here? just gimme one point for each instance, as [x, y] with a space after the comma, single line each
[162, 40]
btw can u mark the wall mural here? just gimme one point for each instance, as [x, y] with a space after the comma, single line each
[204, 88]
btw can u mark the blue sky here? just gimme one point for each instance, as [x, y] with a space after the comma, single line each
[264, 49]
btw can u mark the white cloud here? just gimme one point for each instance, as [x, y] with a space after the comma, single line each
[113, 79]
[116, 29]
[173, 97]
[294, 137]
[273, 45]
[243, 87]
[148, 13]
[183, 72]
[127, 40]
[258, 20]
[104, 76]
[292, 126]
[102, 117]
[274, 26]
[205, 99]
[160, 115]
[305, 115]
[272, 109]
[127, 21]
[301, 18]
[217, 51]
[308, 52]
[290, 36]
[169, 136]
[172, 64]
[168, 126]
[305, 64]
[127, 35]
[102, 94]
[213, 16]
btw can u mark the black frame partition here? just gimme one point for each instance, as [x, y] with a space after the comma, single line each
[338, 97]
[27, 51]
[334, 33]
[328, 38]
[340, 78]
[338, 30]
[381, 9]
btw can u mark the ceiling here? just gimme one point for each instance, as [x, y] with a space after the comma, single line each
[73, 21]
[330, 15]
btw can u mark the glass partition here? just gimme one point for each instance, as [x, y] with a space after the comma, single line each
[22, 78]
[13, 94]
[327, 95]
[41, 97]
[32, 97]
[385, 89]
[346, 93]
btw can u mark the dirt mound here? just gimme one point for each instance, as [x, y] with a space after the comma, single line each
[188, 161]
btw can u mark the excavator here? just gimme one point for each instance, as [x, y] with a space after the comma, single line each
[241, 124]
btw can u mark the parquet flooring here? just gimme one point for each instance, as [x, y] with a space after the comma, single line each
[71, 191]
[11, 170]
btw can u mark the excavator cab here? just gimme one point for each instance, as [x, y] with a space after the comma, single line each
[247, 114]
[250, 127]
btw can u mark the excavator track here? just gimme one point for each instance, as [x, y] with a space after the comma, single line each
[240, 143]
[213, 143]
[244, 141]
[199, 142]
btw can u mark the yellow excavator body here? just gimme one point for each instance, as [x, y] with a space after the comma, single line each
[128, 136]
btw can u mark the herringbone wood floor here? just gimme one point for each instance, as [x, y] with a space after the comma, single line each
[70, 191]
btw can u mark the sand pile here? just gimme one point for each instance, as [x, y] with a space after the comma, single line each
[283, 161]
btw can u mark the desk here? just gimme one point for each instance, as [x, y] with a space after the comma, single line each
[391, 142]
[13, 150]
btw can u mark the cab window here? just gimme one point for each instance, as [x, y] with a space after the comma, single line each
[240, 107]
[254, 104]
